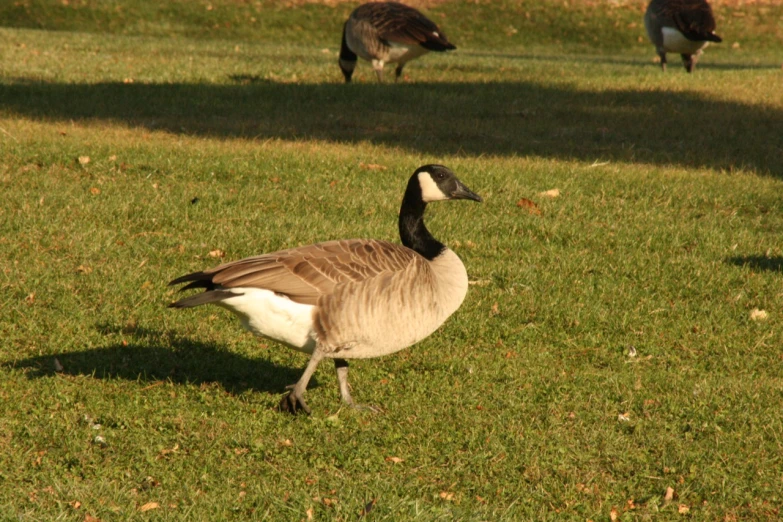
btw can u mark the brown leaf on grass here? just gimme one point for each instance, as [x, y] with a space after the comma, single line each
[395, 460]
[530, 206]
[682, 509]
[447, 495]
[95, 191]
[58, 367]
[149, 506]
[551, 193]
[309, 513]
[217, 253]
[75, 504]
[614, 514]
[669, 496]
[329, 502]
[84, 160]
[495, 310]
[90, 518]
[30, 299]
[81, 269]
[287, 443]
[371, 166]
[368, 508]
[758, 315]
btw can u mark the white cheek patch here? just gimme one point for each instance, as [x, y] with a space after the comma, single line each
[429, 189]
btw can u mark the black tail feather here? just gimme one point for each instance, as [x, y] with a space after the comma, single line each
[210, 296]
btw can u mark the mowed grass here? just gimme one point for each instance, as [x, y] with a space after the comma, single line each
[138, 144]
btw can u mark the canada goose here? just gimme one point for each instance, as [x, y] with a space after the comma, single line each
[349, 299]
[680, 26]
[388, 32]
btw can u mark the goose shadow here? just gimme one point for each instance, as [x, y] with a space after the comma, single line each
[758, 262]
[515, 118]
[181, 361]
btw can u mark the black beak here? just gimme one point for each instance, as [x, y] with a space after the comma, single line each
[463, 192]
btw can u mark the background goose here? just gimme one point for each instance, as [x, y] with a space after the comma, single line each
[680, 26]
[350, 299]
[388, 32]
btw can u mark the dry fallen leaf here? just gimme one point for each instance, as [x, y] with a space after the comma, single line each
[76, 504]
[367, 508]
[149, 506]
[58, 367]
[95, 191]
[329, 502]
[371, 166]
[84, 160]
[287, 443]
[90, 518]
[309, 513]
[217, 253]
[613, 514]
[447, 495]
[395, 460]
[624, 417]
[669, 496]
[758, 315]
[551, 193]
[530, 206]
[682, 509]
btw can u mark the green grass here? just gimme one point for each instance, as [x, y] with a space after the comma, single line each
[666, 235]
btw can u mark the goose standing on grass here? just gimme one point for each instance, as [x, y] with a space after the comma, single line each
[680, 26]
[349, 299]
[388, 32]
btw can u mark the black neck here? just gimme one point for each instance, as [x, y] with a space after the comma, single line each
[413, 233]
[345, 52]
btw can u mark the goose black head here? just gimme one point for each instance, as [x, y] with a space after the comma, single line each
[438, 183]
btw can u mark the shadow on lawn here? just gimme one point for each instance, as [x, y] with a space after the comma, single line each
[758, 262]
[186, 361]
[524, 118]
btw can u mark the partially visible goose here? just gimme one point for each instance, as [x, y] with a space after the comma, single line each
[388, 32]
[349, 299]
[680, 26]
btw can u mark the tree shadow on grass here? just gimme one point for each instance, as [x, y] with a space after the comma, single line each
[656, 127]
[183, 362]
[758, 262]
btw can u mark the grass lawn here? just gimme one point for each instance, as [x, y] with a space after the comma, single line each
[619, 352]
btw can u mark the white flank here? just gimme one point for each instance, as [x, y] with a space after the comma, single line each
[429, 189]
[268, 314]
[675, 42]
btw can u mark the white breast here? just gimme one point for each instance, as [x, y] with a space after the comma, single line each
[274, 316]
[675, 42]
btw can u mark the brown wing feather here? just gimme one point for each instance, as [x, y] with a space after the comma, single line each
[693, 18]
[306, 273]
[400, 23]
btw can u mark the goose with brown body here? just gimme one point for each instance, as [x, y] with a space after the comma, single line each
[680, 26]
[349, 299]
[388, 32]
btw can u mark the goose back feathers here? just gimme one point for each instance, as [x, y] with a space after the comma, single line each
[388, 32]
[347, 299]
[680, 26]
